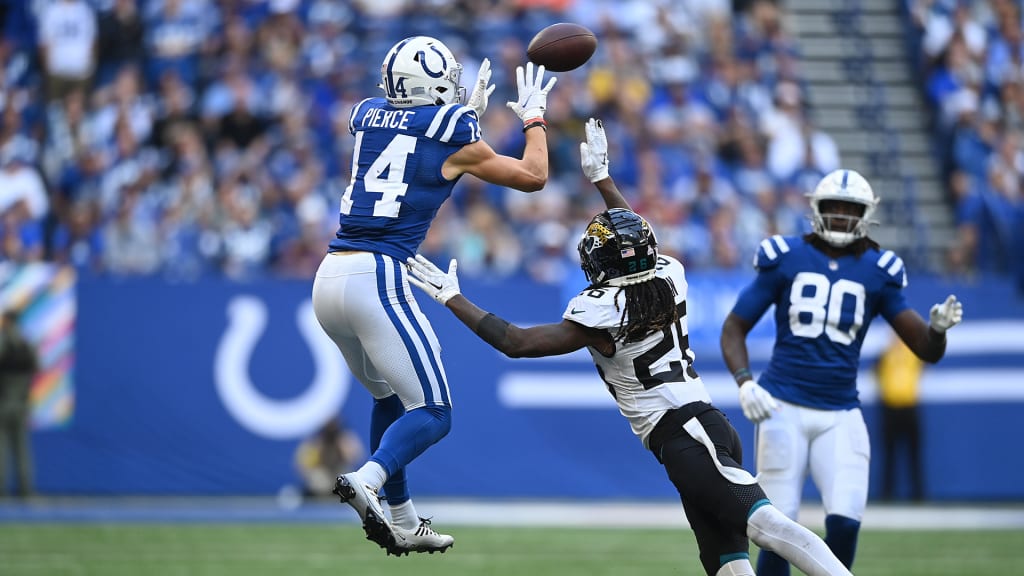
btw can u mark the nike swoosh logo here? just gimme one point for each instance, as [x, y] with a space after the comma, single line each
[575, 311]
[437, 286]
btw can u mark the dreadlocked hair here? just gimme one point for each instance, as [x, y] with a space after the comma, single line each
[650, 307]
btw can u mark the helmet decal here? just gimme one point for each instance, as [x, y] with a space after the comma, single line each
[598, 234]
[421, 56]
[618, 248]
[389, 66]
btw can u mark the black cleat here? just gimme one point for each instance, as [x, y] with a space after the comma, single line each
[378, 531]
[364, 499]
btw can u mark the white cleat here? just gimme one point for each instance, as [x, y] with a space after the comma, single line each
[422, 538]
[363, 498]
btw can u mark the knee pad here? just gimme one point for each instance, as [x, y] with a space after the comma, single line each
[443, 415]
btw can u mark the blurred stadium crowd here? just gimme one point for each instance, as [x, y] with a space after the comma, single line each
[187, 138]
[971, 64]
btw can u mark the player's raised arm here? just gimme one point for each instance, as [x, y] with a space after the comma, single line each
[594, 159]
[528, 174]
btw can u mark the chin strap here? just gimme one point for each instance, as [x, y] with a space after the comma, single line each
[632, 279]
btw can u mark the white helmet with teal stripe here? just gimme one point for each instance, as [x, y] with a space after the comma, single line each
[421, 71]
[835, 223]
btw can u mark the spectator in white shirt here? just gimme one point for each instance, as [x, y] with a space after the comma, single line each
[21, 182]
[789, 135]
[67, 44]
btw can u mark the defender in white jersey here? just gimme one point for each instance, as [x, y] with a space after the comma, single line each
[826, 287]
[411, 147]
[632, 319]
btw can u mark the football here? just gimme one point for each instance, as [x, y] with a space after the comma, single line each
[562, 47]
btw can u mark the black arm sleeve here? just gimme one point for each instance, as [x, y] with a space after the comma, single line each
[492, 330]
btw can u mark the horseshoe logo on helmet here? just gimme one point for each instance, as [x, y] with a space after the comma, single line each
[421, 56]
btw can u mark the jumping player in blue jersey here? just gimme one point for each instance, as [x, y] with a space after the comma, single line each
[826, 286]
[411, 147]
[632, 319]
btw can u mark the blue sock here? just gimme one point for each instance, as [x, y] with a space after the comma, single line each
[406, 439]
[771, 564]
[385, 412]
[841, 536]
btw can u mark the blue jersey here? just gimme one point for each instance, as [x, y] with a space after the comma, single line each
[397, 186]
[823, 307]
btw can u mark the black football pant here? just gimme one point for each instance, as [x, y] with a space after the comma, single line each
[715, 507]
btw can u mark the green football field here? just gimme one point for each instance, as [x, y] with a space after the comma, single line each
[325, 549]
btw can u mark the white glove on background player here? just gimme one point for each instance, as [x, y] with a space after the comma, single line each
[439, 285]
[533, 95]
[947, 314]
[481, 91]
[594, 152]
[758, 404]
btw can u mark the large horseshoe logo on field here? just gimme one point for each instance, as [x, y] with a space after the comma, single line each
[270, 417]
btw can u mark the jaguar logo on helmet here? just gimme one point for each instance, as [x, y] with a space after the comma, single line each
[618, 248]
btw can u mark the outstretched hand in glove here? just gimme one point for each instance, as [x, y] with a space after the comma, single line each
[440, 285]
[481, 91]
[594, 152]
[533, 93]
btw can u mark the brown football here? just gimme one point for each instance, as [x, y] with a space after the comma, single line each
[562, 47]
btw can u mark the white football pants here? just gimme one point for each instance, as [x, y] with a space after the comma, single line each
[364, 302]
[832, 445]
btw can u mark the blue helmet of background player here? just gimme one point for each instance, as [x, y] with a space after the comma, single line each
[840, 229]
[421, 71]
[618, 248]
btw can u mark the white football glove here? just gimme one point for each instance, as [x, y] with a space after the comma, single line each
[533, 95]
[758, 404]
[594, 152]
[439, 285]
[947, 314]
[481, 91]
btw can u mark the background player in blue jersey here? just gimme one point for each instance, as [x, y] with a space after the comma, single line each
[411, 146]
[632, 320]
[826, 286]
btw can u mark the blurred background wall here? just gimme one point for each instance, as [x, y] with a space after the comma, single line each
[207, 387]
[170, 172]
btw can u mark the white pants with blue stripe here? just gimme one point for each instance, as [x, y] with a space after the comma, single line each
[364, 302]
